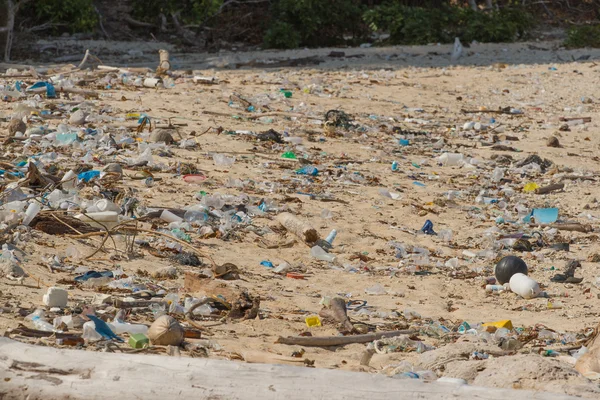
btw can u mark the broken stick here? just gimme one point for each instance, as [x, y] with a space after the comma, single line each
[324, 341]
[550, 188]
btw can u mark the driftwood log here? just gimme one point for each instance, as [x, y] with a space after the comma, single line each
[572, 227]
[36, 372]
[550, 188]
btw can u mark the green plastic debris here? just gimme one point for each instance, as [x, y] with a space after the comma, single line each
[290, 155]
[138, 340]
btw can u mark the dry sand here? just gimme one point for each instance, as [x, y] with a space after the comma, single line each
[379, 91]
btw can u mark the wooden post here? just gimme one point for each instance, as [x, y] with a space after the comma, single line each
[11, 9]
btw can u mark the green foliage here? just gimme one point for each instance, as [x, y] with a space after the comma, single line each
[583, 36]
[313, 22]
[282, 35]
[71, 16]
[417, 25]
[189, 11]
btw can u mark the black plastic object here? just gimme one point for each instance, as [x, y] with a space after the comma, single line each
[509, 266]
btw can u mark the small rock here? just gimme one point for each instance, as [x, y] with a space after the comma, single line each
[114, 167]
[16, 125]
[553, 142]
[161, 135]
[77, 118]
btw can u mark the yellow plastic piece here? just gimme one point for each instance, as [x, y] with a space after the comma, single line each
[313, 321]
[530, 187]
[505, 323]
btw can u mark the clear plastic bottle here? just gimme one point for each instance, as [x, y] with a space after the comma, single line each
[119, 327]
[320, 254]
[39, 321]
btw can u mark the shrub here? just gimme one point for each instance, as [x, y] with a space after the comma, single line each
[71, 16]
[189, 11]
[313, 22]
[417, 25]
[583, 36]
[282, 35]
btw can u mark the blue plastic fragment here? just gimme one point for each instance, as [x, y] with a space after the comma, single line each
[88, 175]
[428, 228]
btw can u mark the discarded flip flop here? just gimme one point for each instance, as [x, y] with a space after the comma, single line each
[356, 304]
[194, 178]
[93, 275]
[294, 275]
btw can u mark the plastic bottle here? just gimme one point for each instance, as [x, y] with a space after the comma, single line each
[320, 254]
[108, 218]
[221, 160]
[119, 327]
[308, 170]
[331, 237]
[494, 288]
[498, 174]
[524, 286]
[204, 309]
[450, 159]
[39, 321]
[195, 217]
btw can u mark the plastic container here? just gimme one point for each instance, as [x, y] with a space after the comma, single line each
[450, 159]
[65, 319]
[151, 82]
[524, 286]
[56, 297]
[221, 160]
[107, 205]
[32, 211]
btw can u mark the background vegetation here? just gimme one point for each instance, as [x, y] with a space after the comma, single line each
[311, 23]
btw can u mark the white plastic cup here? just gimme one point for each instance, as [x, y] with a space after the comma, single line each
[69, 181]
[524, 286]
[31, 212]
[107, 205]
[169, 217]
